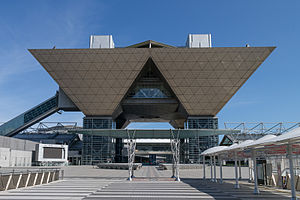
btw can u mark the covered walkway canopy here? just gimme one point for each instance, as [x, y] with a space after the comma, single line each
[286, 144]
[154, 134]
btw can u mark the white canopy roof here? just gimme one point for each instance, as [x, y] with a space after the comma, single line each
[213, 150]
[291, 136]
[260, 141]
[238, 146]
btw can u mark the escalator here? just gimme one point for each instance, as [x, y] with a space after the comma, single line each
[30, 117]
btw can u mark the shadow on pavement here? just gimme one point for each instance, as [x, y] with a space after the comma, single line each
[227, 191]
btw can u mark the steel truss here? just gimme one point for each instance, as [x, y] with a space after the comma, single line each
[255, 130]
[46, 127]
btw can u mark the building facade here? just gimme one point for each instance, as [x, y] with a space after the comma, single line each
[147, 82]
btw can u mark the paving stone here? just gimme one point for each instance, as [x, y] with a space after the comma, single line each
[150, 183]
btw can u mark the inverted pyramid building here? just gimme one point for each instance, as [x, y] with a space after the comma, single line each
[202, 79]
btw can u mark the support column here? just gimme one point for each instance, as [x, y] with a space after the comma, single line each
[203, 167]
[236, 172]
[211, 169]
[215, 174]
[249, 171]
[256, 190]
[175, 148]
[173, 169]
[291, 166]
[131, 155]
[221, 171]
[240, 170]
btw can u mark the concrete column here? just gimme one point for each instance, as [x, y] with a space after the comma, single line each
[221, 171]
[211, 169]
[256, 190]
[215, 174]
[203, 167]
[291, 166]
[236, 172]
[240, 170]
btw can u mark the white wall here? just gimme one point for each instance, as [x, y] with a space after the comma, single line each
[4, 157]
[20, 158]
[12, 158]
[17, 144]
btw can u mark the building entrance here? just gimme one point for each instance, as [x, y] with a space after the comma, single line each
[130, 137]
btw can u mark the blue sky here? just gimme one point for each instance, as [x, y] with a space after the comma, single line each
[271, 94]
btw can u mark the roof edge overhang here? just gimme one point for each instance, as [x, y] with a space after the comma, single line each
[47, 58]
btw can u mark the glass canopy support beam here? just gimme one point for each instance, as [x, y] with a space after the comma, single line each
[215, 172]
[237, 186]
[291, 166]
[256, 190]
[250, 170]
[221, 170]
[240, 170]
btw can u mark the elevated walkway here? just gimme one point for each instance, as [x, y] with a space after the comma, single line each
[30, 117]
[60, 101]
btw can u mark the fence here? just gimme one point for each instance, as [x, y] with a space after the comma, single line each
[14, 179]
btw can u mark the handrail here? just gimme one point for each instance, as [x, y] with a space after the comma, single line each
[24, 171]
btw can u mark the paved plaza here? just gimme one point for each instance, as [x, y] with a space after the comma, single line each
[86, 182]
